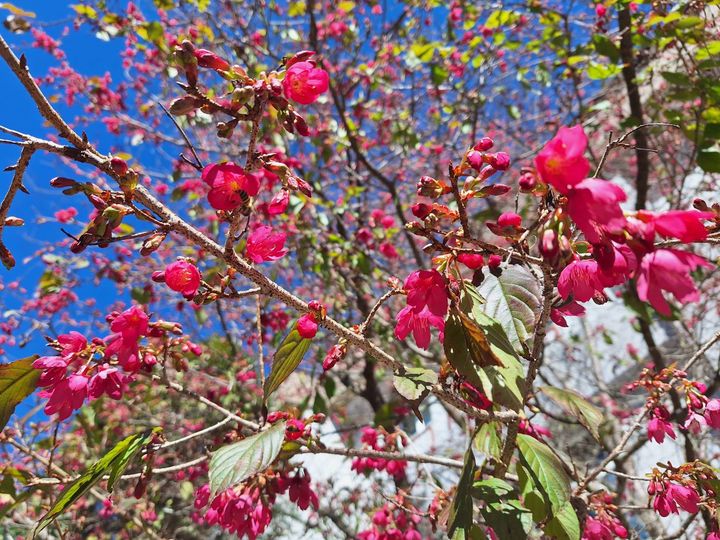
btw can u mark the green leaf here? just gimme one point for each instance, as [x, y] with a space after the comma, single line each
[17, 381]
[565, 524]
[578, 407]
[509, 519]
[501, 383]
[461, 509]
[547, 489]
[605, 46]
[415, 383]
[514, 300]
[287, 358]
[457, 351]
[597, 71]
[709, 161]
[115, 460]
[676, 78]
[237, 462]
[487, 440]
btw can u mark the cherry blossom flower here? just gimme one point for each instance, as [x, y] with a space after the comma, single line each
[307, 326]
[562, 163]
[230, 185]
[685, 225]
[184, 277]
[279, 202]
[305, 83]
[712, 413]
[668, 270]
[594, 206]
[580, 280]
[263, 245]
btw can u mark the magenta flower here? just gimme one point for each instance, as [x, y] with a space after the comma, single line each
[307, 326]
[279, 202]
[712, 413]
[562, 163]
[410, 320]
[571, 309]
[685, 225]
[685, 497]
[427, 288]
[183, 277]
[108, 380]
[230, 185]
[72, 342]
[305, 83]
[472, 260]
[657, 428]
[66, 396]
[263, 245]
[594, 206]
[54, 369]
[616, 265]
[668, 270]
[579, 279]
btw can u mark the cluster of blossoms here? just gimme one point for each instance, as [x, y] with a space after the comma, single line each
[103, 366]
[618, 248]
[246, 510]
[687, 487]
[601, 522]
[382, 441]
[394, 521]
[701, 410]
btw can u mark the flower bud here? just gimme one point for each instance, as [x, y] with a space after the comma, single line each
[484, 144]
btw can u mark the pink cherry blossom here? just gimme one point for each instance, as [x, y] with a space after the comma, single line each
[562, 163]
[712, 413]
[685, 225]
[410, 320]
[307, 326]
[685, 496]
[279, 202]
[579, 279]
[305, 83]
[472, 260]
[657, 428]
[594, 206]
[229, 185]
[66, 396]
[184, 277]
[427, 288]
[668, 270]
[263, 245]
[571, 309]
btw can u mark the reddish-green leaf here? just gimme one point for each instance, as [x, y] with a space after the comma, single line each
[17, 381]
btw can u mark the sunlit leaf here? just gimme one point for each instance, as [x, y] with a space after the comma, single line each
[17, 381]
[236, 462]
[287, 358]
[115, 462]
[578, 407]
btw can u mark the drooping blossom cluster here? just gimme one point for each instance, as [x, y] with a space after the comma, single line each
[85, 369]
[688, 487]
[620, 248]
[246, 510]
[394, 521]
[702, 411]
[602, 522]
[381, 440]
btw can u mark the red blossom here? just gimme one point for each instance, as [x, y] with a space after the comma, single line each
[263, 245]
[305, 83]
